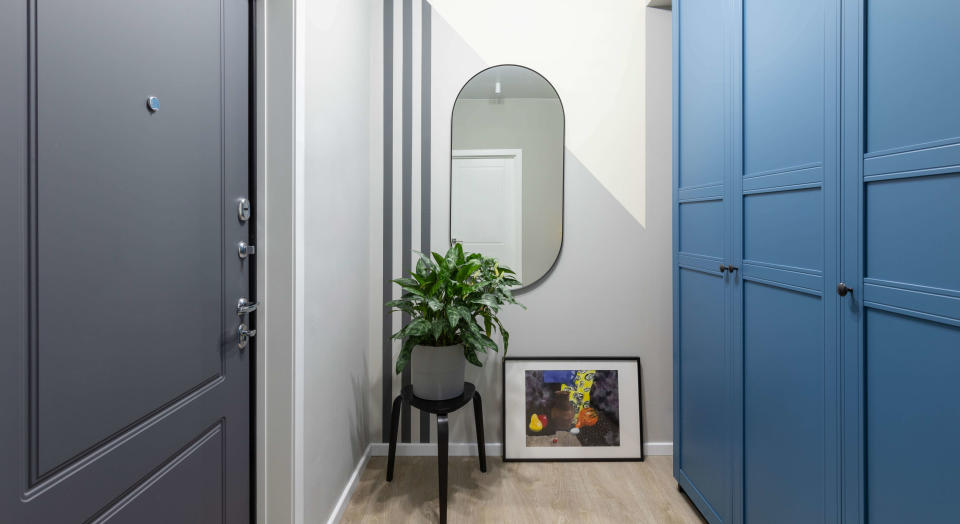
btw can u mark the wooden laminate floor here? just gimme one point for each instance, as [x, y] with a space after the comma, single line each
[555, 492]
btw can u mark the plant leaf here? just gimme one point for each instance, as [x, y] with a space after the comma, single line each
[453, 317]
[467, 269]
[488, 342]
[436, 329]
[417, 327]
[404, 357]
[397, 303]
[471, 356]
[504, 334]
[407, 282]
[404, 307]
[488, 300]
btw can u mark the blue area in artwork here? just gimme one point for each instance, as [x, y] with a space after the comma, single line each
[564, 376]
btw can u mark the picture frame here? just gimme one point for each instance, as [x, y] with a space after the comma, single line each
[571, 409]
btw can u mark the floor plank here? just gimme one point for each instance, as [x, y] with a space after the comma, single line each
[555, 492]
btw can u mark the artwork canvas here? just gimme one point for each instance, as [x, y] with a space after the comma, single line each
[572, 409]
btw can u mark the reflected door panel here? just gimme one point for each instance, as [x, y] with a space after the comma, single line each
[487, 197]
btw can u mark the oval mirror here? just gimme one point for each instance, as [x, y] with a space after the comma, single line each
[506, 173]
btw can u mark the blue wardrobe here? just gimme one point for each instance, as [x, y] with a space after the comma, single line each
[817, 260]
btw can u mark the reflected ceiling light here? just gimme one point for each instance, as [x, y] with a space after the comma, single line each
[496, 87]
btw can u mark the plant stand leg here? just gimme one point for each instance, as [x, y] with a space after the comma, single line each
[394, 424]
[442, 442]
[478, 416]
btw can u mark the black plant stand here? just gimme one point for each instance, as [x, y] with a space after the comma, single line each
[441, 408]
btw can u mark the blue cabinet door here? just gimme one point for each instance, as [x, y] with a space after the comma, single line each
[786, 218]
[703, 418]
[901, 331]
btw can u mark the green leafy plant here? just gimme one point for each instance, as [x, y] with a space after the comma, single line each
[454, 299]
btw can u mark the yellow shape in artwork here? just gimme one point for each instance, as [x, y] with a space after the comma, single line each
[535, 424]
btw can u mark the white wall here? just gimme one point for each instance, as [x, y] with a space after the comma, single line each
[336, 236]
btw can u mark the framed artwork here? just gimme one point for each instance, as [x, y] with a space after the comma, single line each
[571, 409]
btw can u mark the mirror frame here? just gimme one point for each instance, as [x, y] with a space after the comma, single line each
[525, 287]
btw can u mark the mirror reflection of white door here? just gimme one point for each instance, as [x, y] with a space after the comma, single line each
[486, 204]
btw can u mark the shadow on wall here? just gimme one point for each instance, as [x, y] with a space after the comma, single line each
[358, 416]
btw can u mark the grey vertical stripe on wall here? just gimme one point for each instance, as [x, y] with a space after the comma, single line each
[425, 159]
[387, 348]
[406, 196]
[406, 111]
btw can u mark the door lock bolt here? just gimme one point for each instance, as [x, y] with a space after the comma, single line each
[245, 250]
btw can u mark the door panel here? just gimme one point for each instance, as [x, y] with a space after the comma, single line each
[911, 230]
[701, 92]
[702, 381]
[788, 215]
[152, 313]
[704, 385]
[784, 228]
[911, 392]
[129, 243]
[910, 99]
[783, 50]
[192, 479]
[905, 326]
[701, 227]
[122, 269]
[784, 397]
[486, 213]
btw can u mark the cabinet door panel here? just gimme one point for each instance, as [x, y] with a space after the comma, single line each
[704, 414]
[911, 392]
[701, 91]
[911, 73]
[784, 396]
[902, 332]
[911, 230]
[784, 228]
[703, 420]
[701, 228]
[783, 50]
[787, 211]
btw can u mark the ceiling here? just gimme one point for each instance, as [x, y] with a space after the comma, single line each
[515, 82]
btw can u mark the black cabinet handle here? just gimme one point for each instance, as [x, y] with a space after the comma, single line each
[723, 268]
[732, 268]
[843, 289]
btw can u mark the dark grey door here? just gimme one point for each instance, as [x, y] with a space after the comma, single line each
[124, 396]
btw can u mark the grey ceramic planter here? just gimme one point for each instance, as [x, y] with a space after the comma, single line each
[437, 372]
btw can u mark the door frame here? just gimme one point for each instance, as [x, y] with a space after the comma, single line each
[277, 119]
[516, 156]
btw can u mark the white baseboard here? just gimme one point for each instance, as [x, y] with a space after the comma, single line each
[658, 448]
[419, 449]
[466, 449]
[348, 490]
